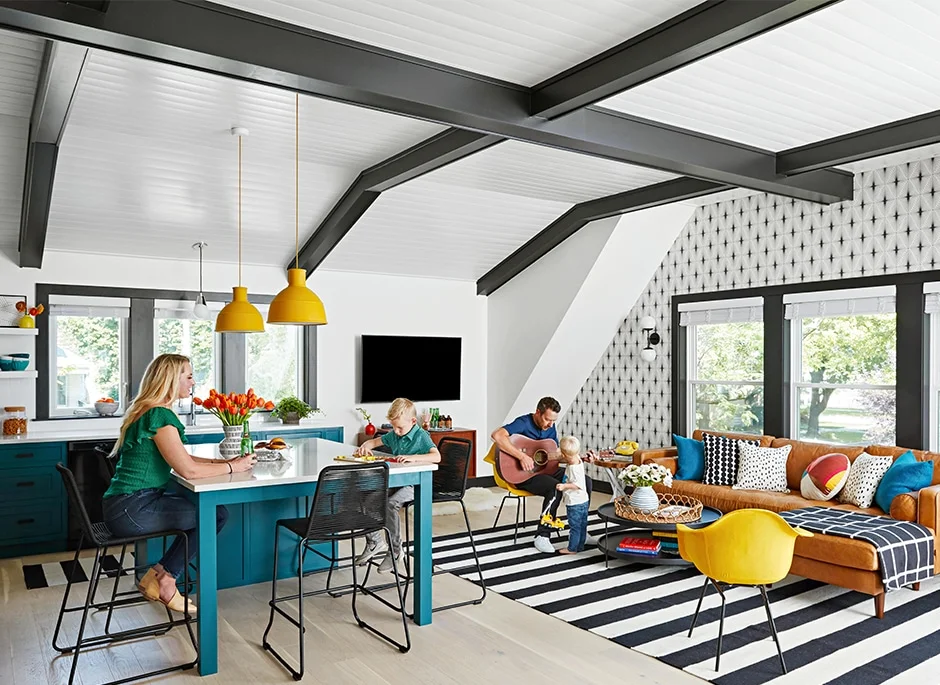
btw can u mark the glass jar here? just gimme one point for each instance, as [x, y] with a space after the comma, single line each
[14, 421]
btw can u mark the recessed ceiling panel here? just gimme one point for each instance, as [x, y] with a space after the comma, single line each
[520, 41]
[850, 66]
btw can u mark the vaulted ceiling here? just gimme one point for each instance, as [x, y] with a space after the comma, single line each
[147, 164]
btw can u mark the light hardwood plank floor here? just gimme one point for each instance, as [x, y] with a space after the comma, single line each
[497, 641]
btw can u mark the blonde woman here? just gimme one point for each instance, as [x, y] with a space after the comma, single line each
[150, 444]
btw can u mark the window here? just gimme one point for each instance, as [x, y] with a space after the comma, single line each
[275, 364]
[726, 365]
[175, 331]
[932, 308]
[88, 352]
[844, 365]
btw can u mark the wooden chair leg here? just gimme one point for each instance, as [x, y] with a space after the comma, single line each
[880, 605]
[915, 586]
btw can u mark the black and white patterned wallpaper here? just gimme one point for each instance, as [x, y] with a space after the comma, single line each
[892, 225]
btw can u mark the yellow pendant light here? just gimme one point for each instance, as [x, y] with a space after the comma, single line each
[297, 304]
[239, 315]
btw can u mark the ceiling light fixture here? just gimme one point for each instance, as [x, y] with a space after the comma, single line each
[297, 304]
[239, 315]
[200, 308]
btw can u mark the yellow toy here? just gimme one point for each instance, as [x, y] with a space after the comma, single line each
[626, 448]
[556, 523]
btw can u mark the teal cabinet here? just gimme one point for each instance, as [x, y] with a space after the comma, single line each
[334, 433]
[33, 505]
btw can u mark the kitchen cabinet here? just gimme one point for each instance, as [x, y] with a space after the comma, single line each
[33, 507]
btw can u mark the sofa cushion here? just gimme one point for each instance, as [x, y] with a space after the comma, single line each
[904, 507]
[906, 474]
[805, 452]
[763, 440]
[721, 459]
[920, 455]
[691, 455]
[825, 477]
[863, 479]
[839, 551]
[762, 468]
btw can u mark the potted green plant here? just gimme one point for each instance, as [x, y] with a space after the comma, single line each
[367, 417]
[291, 410]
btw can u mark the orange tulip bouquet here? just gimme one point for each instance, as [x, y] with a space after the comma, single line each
[232, 409]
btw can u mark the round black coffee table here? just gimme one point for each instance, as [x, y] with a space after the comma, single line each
[609, 540]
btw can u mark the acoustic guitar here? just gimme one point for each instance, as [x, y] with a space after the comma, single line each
[510, 469]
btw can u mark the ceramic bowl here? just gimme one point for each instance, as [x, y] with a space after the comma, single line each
[6, 363]
[106, 408]
[18, 364]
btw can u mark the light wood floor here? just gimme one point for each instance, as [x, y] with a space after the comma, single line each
[498, 641]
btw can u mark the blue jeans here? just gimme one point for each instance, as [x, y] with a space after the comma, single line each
[577, 526]
[151, 511]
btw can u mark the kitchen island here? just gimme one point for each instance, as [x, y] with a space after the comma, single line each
[256, 500]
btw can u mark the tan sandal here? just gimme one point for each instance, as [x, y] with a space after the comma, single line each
[149, 587]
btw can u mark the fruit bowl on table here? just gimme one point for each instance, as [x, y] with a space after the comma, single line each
[106, 408]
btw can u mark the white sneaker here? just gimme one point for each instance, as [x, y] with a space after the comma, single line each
[386, 564]
[590, 540]
[544, 545]
[372, 549]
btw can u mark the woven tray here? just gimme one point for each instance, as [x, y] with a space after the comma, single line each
[624, 510]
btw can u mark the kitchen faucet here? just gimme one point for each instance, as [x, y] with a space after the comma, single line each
[191, 421]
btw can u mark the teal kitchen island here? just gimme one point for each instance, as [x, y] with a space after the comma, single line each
[243, 552]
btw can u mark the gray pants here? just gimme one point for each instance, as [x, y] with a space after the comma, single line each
[397, 497]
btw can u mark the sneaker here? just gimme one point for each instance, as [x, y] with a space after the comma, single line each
[590, 540]
[544, 545]
[372, 550]
[386, 564]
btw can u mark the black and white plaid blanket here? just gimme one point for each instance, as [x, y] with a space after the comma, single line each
[905, 549]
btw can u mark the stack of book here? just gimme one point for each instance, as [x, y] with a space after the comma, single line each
[669, 541]
[636, 545]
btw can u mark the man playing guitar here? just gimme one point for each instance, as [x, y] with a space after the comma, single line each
[537, 426]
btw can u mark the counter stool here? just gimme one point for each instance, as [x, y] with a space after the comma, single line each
[349, 503]
[102, 538]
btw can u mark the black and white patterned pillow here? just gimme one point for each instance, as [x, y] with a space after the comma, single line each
[721, 459]
[762, 468]
[863, 480]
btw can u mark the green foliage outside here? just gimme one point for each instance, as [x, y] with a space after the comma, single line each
[272, 362]
[196, 340]
[838, 350]
[89, 354]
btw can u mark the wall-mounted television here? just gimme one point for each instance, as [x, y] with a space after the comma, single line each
[423, 369]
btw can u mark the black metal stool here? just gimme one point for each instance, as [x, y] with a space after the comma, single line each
[102, 538]
[349, 503]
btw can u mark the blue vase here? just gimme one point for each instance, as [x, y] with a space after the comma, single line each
[644, 499]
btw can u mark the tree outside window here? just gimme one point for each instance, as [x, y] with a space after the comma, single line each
[274, 362]
[88, 360]
[194, 339]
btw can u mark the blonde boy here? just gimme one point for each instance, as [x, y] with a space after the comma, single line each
[409, 443]
[575, 494]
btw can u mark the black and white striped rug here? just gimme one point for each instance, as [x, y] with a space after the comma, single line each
[57, 572]
[829, 635]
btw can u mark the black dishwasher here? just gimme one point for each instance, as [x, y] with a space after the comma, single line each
[87, 459]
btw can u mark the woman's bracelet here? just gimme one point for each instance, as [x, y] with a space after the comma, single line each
[230, 469]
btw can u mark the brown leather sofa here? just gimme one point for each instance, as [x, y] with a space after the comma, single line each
[838, 561]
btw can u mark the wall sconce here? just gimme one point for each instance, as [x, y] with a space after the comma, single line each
[648, 326]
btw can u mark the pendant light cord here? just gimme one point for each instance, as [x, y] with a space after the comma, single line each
[239, 211]
[296, 180]
[200, 269]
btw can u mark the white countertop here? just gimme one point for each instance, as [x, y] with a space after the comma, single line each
[308, 457]
[109, 429]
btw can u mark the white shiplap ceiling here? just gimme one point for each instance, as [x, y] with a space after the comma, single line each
[148, 165]
[855, 64]
[520, 41]
[20, 59]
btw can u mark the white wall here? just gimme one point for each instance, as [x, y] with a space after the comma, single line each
[356, 303]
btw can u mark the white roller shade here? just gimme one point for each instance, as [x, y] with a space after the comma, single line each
[91, 311]
[742, 310]
[855, 302]
[932, 303]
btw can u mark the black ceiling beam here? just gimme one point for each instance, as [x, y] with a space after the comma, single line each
[696, 33]
[895, 136]
[221, 40]
[433, 153]
[582, 214]
[59, 75]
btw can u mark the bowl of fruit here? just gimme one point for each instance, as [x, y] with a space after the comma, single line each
[106, 406]
[272, 450]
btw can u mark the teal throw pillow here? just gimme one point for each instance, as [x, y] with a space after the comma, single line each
[906, 474]
[691, 458]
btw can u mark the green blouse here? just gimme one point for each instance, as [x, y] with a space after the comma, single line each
[140, 464]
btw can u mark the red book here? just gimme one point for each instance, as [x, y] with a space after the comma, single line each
[631, 544]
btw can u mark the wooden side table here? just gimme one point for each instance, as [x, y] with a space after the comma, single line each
[436, 435]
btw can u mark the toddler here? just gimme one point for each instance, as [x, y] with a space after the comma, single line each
[575, 494]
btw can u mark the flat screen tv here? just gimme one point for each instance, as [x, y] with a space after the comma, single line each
[423, 369]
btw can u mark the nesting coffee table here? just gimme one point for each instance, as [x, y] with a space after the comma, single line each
[609, 540]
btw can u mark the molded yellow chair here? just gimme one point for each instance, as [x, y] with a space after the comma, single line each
[745, 547]
[512, 492]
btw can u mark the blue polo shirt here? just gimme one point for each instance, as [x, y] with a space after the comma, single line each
[525, 425]
[415, 441]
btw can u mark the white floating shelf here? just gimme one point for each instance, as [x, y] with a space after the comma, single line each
[18, 374]
[19, 331]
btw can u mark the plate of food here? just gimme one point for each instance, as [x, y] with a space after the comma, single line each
[273, 449]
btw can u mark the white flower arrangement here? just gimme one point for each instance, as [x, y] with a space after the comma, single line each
[645, 475]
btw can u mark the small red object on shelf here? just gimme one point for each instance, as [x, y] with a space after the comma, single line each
[369, 429]
[639, 545]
